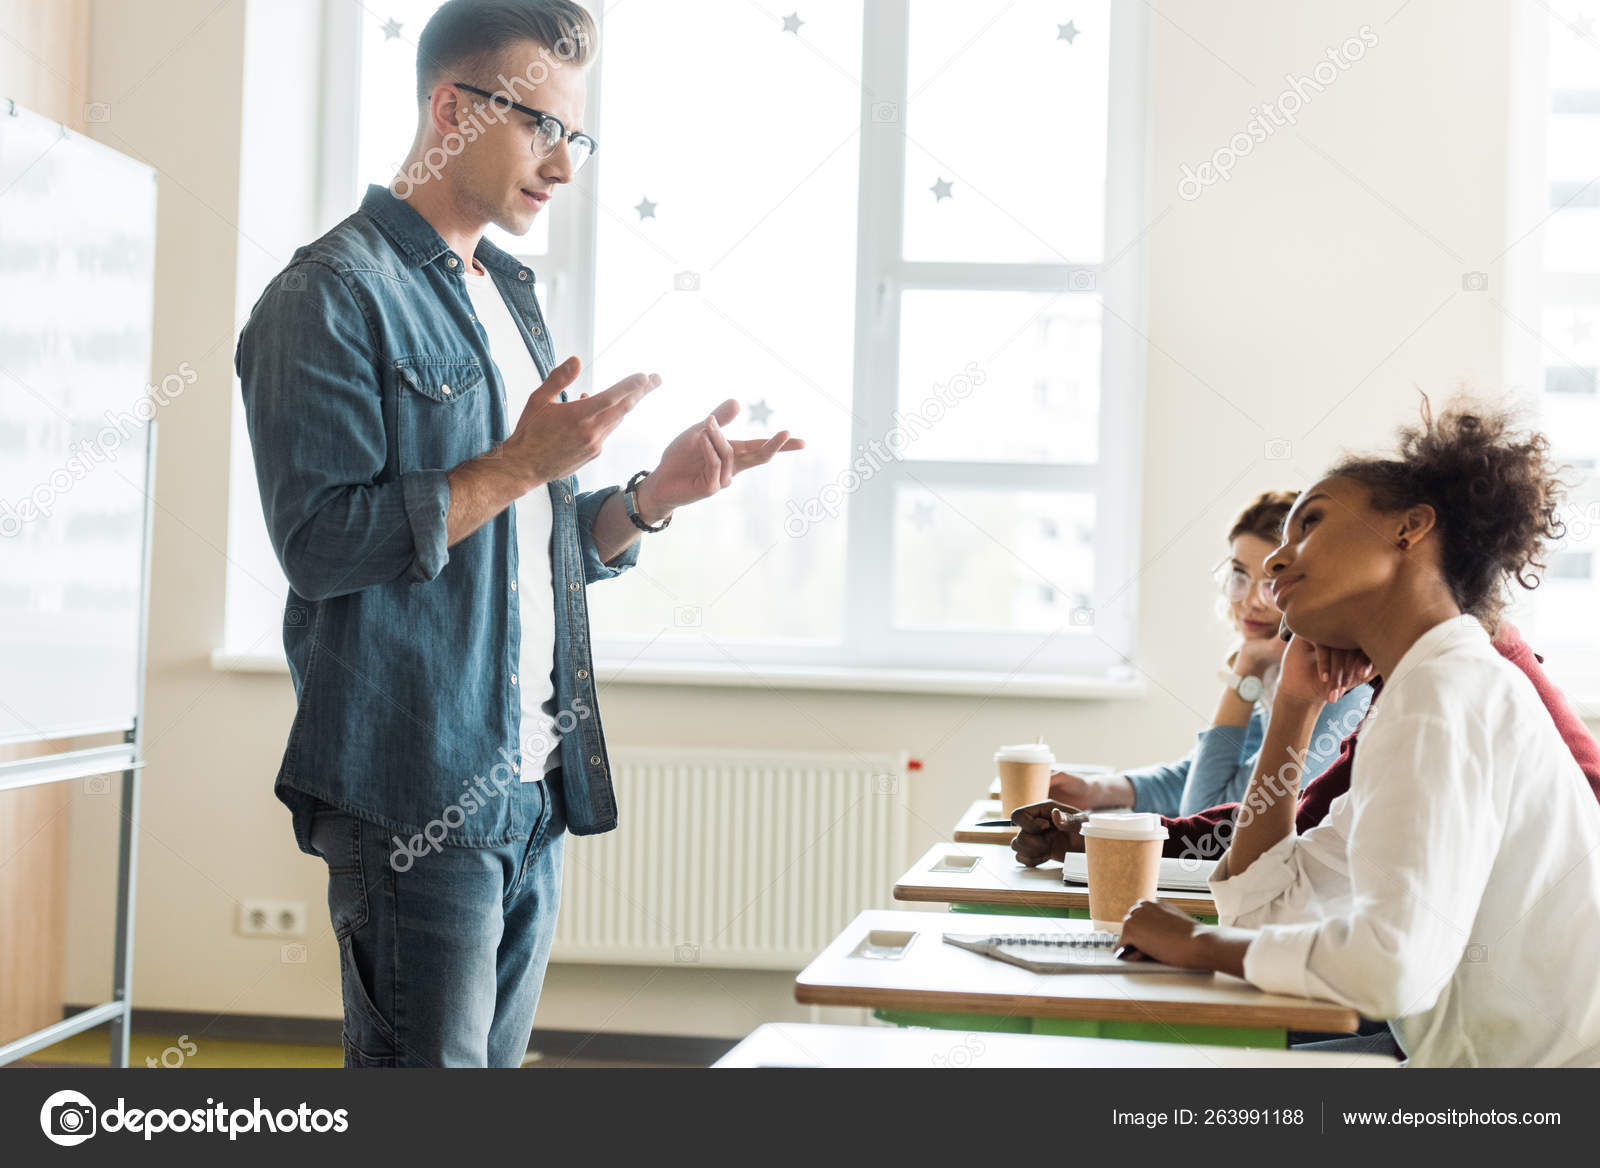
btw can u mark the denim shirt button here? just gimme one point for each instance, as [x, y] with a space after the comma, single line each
[594, 760]
[523, 275]
[537, 331]
[445, 389]
[453, 262]
[513, 585]
[513, 679]
[573, 587]
[567, 498]
[582, 674]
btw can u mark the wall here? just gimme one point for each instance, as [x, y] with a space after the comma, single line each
[1300, 302]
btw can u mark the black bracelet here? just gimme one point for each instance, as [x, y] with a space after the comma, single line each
[630, 502]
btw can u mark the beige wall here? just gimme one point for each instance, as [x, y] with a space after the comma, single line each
[1303, 300]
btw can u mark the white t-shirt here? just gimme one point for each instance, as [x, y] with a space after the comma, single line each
[535, 587]
[1454, 890]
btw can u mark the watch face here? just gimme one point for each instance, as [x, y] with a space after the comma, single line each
[1250, 688]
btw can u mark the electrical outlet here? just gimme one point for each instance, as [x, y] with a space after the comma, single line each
[272, 918]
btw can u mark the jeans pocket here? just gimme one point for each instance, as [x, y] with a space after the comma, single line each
[367, 1033]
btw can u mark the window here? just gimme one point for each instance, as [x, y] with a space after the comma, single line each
[909, 233]
[1553, 309]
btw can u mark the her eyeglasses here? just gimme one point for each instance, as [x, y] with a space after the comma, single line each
[550, 132]
[1235, 584]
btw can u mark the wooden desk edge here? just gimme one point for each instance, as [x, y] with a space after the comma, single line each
[1043, 898]
[1317, 1015]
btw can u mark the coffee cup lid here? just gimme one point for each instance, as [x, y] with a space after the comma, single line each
[1125, 825]
[1025, 752]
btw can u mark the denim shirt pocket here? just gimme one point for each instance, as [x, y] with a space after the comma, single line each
[443, 413]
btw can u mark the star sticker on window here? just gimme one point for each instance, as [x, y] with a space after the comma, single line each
[941, 190]
[792, 23]
[1066, 32]
[760, 412]
[646, 209]
[391, 29]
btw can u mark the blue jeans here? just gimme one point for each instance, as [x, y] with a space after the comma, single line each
[442, 959]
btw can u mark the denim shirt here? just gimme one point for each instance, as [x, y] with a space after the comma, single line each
[365, 379]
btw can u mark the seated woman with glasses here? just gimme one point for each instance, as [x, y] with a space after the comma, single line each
[1218, 769]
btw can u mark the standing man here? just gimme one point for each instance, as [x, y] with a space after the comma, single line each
[437, 548]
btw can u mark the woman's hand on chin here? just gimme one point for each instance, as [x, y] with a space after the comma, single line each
[1256, 655]
[1313, 674]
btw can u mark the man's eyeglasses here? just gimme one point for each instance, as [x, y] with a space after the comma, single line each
[550, 132]
[1236, 584]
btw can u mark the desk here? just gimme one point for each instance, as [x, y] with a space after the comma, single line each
[988, 874]
[965, 833]
[934, 984]
[800, 1044]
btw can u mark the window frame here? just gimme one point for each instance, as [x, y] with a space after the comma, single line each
[1529, 289]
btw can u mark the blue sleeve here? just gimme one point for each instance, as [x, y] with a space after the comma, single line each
[1224, 759]
[594, 568]
[1158, 788]
[1337, 722]
[313, 406]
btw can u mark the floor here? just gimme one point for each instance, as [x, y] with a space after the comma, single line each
[150, 1050]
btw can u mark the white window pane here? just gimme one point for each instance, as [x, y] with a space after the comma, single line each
[726, 237]
[1017, 372]
[968, 559]
[1572, 51]
[389, 108]
[1012, 115]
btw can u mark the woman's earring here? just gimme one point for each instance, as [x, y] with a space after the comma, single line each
[1404, 543]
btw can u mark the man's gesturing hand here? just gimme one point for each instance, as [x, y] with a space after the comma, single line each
[554, 438]
[701, 461]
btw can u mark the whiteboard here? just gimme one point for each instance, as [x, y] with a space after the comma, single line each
[77, 291]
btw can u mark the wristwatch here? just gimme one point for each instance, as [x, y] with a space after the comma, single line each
[1248, 688]
[630, 500]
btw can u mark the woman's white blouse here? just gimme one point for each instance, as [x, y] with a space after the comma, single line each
[1455, 888]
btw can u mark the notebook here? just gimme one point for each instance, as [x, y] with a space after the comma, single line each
[1177, 874]
[1058, 952]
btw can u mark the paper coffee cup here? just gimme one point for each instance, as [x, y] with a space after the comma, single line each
[1122, 850]
[1024, 775]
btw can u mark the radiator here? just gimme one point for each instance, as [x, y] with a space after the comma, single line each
[733, 859]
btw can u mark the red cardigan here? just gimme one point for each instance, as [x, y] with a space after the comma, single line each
[1189, 834]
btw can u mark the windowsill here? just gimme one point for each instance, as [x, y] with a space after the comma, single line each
[912, 681]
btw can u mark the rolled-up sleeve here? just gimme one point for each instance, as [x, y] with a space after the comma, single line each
[1221, 768]
[594, 568]
[313, 401]
[1159, 788]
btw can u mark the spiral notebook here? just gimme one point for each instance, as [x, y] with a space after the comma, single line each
[1058, 952]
